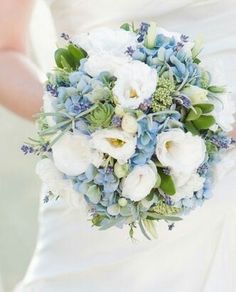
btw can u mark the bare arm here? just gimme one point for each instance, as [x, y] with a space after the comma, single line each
[20, 88]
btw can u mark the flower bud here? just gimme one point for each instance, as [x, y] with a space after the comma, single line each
[121, 170]
[122, 202]
[129, 124]
[119, 110]
[196, 94]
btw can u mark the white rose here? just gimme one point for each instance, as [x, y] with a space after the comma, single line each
[72, 154]
[54, 180]
[98, 63]
[139, 182]
[196, 94]
[49, 104]
[136, 82]
[129, 124]
[193, 184]
[180, 151]
[106, 40]
[177, 36]
[116, 143]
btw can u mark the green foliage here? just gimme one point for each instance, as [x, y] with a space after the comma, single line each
[194, 114]
[167, 184]
[216, 89]
[191, 128]
[163, 209]
[204, 122]
[101, 116]
[211, 148]
[69, 58]
[198, 119]
[162, 99]
[125, 26]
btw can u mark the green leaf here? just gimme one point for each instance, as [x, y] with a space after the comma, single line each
[205, 107]
[64, 59]
[194, 114]
[197, 61]
[163, 217]
[191, 128]
[167, 184]
[94, 194]
[150, 227]
[125, 26]
[211, 148]
[216, 89]
[204, 122]
[77, 53]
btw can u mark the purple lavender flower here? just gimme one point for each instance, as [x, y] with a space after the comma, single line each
[65, 36]
[222, 142]
[171, 226]
[184, 38]
[116, 121]
[27, 149]
[142, 31]
[145, 106]
[52, 89]
[168, 200]
[130, 51]
[184, 101]
[203, 169]
[166, 170]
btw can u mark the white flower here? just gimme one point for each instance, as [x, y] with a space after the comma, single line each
[224, 111]
[225, 107]
[54, 180]
[129, 124]
[193, 184]
[72, 154]
[139, 182]
[49, 103]
[136, 82]
[187, 46]
[106, 40]
[98, 63]
[196, 94]
[116, 143]
[180, 151]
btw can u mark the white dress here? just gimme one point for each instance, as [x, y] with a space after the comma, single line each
[199, 254]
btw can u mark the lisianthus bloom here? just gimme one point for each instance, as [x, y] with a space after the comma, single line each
[72, 154]
[196, 94]
[180, 151]
[129, 124]
[55, 182]
[106, 40]
[135, 83]
[114, 142]
[186, 188]
[104, 62]
[139, 182]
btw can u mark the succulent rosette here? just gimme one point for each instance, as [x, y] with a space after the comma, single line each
[132, 126]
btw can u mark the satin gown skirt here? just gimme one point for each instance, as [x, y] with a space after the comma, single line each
[198, 255]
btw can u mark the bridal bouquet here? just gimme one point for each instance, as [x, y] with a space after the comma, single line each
[133, 124]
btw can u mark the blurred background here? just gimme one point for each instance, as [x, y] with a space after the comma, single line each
[19, 185]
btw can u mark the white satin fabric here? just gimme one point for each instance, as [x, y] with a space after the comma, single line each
[199, 255]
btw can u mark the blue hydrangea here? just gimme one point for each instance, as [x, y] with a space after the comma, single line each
[146, 142]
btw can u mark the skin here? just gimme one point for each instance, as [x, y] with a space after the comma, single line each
[20, 88]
